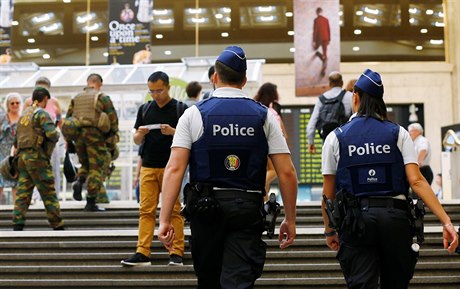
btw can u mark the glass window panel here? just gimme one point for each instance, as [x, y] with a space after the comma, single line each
[208, 18]
[42, 23]
[263, 17]
[163, 19]
[426, 14]
[97, 22]
[377, 15]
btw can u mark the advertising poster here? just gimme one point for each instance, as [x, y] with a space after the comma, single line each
[6, 19]
[317, 44]
[129, 31]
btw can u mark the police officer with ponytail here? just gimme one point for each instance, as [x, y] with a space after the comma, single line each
[226, 138]
[368, 165]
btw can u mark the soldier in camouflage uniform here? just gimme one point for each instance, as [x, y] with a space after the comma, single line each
[97, 139]
[35, 140]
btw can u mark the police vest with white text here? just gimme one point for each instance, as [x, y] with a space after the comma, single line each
[370, 163]
[232, 152]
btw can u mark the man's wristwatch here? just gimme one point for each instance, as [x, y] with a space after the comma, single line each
[330, 234]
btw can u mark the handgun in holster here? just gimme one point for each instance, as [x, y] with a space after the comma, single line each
[271, 210]
[417, 211]
[335, 210]
[199, 201]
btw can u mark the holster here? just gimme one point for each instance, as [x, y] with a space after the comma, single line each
[417, 212]
[271, 211]
[335, 210]
[199, 201]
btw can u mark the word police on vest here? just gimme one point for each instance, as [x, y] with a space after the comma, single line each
[369, 149]
[232, 130]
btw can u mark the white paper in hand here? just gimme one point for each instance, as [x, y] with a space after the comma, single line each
[153, 126]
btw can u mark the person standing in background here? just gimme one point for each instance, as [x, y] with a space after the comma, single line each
[193, 90]
[6, 57]
[423, 150]
[208, 94]
[335, 90]
[8, 129]
[268, 96]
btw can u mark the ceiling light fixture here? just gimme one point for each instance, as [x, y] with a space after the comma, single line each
[31, 40]
[46, 56]
[159, 36]
[224, 34]
[423, 30]
[355, 48]
[357, 31]
[419, 47]
[168, 52]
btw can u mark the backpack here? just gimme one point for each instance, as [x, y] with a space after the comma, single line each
[331, 115]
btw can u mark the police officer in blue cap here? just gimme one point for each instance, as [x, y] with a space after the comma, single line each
[368, 165]
[226, 139]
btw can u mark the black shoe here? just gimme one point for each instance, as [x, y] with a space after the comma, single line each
[18, 227]
[77, 187]
[59, 228]
[137, 259]
[93, 208]
[175, 260]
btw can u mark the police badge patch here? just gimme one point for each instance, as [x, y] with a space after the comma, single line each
[232, 162]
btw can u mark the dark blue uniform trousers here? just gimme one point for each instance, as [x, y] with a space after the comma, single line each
[382, 255]
[227, 250]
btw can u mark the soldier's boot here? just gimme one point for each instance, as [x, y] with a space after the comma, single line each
[91, 205]
[18, 227]
[77, 187]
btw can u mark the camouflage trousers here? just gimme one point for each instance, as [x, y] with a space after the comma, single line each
[93, 156]
[35, 171]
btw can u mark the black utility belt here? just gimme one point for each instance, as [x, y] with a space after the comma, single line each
[379, 202]
[224, 193]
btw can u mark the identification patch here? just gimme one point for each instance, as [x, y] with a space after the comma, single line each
[369, 175]
[232, 162]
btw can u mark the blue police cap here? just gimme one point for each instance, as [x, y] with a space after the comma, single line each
[233, 57]
[371, 83]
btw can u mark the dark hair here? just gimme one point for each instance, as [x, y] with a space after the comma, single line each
[335, 79]
[94, 77]
[211, 72]
[193, 89]
[267, 94]
[370, 105]
[159, 75]
[228, 75]
[319, 10]
[40, 93]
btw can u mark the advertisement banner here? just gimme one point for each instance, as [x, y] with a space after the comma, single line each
[129, 31]
[317, 44]
[6, 19]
